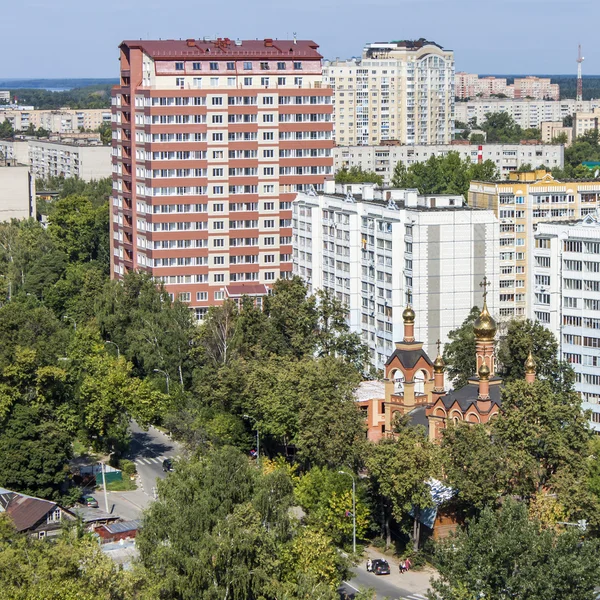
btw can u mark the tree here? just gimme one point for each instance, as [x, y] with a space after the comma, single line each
[477, 138]
[474, 466]
[505, 555]
[6, 130]
[524, 336]
[357, 175]
[459, 353]
[525, 168]
[545, 433]
[105, 131]
[561, 138]
[400, 468]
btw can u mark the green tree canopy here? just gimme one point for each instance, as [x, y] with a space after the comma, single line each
[357, 175]
[459, 352]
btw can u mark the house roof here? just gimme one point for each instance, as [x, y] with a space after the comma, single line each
[222, 49]
[24, 511]
[409, 358]
[123, 526]
[249, 289]
[468, 395]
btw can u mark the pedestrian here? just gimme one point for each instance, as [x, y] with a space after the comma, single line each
[402, 566]
[369, 565]
[408, 564]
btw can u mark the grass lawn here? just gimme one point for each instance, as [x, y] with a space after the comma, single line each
[127, 485]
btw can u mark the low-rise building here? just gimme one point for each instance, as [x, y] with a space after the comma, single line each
[550, 130]
[522, 203]
[586, 121]
[526, 113]
[566, 299]
[64, 120]
[60, 158]
[469, 85]
[507, 157]
[377, 250]
[17, 191]
[4, 96]
[33, 516]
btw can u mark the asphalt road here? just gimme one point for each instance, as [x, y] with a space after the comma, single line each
[386, 586]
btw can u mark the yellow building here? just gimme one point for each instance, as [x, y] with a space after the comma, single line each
[585, 121]
[521, 202]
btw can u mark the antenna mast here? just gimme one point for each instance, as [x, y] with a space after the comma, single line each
[580, 59]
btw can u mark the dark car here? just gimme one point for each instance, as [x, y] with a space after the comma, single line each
[89, 501]
[167, 465]
[381, 567]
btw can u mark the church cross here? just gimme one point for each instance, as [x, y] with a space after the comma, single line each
[439, 344]
[484, 284]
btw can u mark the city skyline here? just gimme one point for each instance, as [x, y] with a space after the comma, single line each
[462, 27]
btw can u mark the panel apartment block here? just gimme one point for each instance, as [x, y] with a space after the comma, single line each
[566, 280]
[379, 250]
[211, 142]
[521, 204]
[397, 91]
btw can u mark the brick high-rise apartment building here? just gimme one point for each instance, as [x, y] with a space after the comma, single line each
[211, 141]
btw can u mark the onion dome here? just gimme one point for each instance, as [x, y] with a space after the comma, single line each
[530, 364]
[484, 371]
[485, 326]
[408, 315]
[438, 364]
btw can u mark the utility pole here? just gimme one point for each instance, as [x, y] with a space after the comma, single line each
[353, 508]
[104, 486]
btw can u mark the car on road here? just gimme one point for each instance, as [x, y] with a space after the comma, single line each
[89, 501]
[381, 567]
[167, 465]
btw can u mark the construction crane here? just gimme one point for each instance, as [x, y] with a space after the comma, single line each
[580, 59]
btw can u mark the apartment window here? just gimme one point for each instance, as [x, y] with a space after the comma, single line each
[214, 66]
[268, 171]
[218, 243]
[267, 100]
[268, 135]
[180, 82]
[281, 81]
[269, 223]
[179, 66]
[297, 80]
[217, 154]
[264, 81]
[269, 276]
[197, 66]
[247, 66]
[231, 66]
[247, 80]
[217, 118]
[217, 137]
[297, 66]
[217, 101]
[219, 260]
[217, 172]
[267, 118]
[217, 189]
[201, 296]
[218, 207]
[269, 189]
[218, 225]
[269, 258]
[269, 241]
[219, 295]
[268, 153]
[281, 66]
[269, 205]
[185, 296]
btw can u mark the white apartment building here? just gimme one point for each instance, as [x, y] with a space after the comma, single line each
[526, 113]
[469, 85]
[378, 250]
[566, 277]
[17, 191]
[397, 91]
[507, 157]
[64, 120]
[4, 96]
[53, 159]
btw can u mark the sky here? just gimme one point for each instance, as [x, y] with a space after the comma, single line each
[79, 38]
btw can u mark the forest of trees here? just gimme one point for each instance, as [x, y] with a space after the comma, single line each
[93, 96]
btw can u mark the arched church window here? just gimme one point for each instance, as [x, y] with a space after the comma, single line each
[398, 378]
[420, 378]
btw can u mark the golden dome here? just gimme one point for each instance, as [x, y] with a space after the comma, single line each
[485, 326]
[438, 365]
[408, 315]
[484, 371]
[530, 364]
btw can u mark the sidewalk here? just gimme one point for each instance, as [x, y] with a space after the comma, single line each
[416, 582]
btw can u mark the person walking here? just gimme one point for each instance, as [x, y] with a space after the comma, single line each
[402, 566]
[369, 565]
[407, 564]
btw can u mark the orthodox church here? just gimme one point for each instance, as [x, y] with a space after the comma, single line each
[414, 385]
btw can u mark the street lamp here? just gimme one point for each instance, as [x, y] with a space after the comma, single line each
[257, 437]
[166, 375]
[353, 509]
[115, 345]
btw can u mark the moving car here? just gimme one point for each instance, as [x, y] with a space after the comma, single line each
[89, 501]
[167, 465]
[381, 567]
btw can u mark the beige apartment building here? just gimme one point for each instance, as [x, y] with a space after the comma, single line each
[520, 203]
[64, 120]
[17, 191]
[550, 130]
[507, 157]
[470, 85]
[586, 121]
[54, 159]
[526, 113]
[397, 91]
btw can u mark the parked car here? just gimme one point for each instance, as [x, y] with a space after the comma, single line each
[381, 567]
[167, 465]
[89, 501]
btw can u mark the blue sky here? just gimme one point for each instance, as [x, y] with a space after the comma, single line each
[79, 38]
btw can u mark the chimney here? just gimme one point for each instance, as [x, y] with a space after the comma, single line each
[329, 187]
